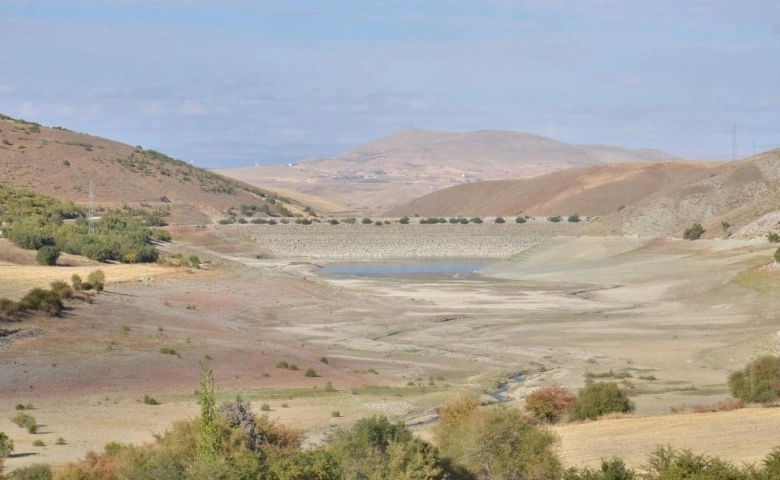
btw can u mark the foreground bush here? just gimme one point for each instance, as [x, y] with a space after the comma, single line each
[497, 443]
[549, 404]
[759, 381]
[598, 399]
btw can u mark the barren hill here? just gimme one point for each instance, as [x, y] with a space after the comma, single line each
[401, 167]
[740, 198]
[61, 163]
[591, 190]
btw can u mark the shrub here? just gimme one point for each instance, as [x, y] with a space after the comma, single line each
[324, 360]
[366, 221]
[612, 469]
[694, 232]
[310, 373]
[773, 237]
[75, 281]
[168, 351]
[38, 443]
[554, 219]
[282, 364]
[150, 400]
[666, 463]
[26, 421]
[404, 221]
[42, 300]
[265, 407]
[47, 255]
[36, 471]
[6, 446]
[239, 415]
[574, 218]
[548, 404]
[759, 381]
[600, 398]
[500, 220]
[777, 255]
[329, 387]
[475, 220]
[97, 279]
[335, 414]
[61, 441]
[497, 442]
[520, 220]
[292, 366]
[333, 221]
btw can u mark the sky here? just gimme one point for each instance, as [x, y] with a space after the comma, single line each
[230, 82]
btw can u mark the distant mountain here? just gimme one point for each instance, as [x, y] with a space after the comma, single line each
[61, 164]
[400, 167]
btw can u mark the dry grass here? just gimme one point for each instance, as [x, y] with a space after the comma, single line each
[745, 435]
[61, 163]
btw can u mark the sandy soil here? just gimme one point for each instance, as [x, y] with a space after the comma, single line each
[685, 313]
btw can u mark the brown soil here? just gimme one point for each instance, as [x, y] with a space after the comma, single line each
[685, 313]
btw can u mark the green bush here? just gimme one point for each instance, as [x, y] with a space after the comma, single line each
[777, 255]
[500, 220]
[758, 382]
[612, 469]
[520, 220]
[773, 237]
[548, 404]
[497, 442]
[97, 279]
[42, 300]
[6, 446]
[47, 255]
[310, 373]
[36, 471]
[574, 218]
[694, 232]
[26, 421]
[366, 221]
[600, 398]
[475, 220]
[404, 221]
[555, 219]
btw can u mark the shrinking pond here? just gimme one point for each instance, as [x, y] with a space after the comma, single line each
[448, 267]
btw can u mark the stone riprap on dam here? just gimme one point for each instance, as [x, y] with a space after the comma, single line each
[357, 241]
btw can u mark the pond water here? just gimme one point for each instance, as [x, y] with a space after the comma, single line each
[446, 267]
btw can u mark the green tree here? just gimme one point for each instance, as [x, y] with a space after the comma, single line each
[777, 255]
[600, 398]
[47, 255]
[759, 381]
[210, 444]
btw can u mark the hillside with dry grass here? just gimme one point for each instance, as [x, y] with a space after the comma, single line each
[396, 169]
[61, 163]
[591, 190]
[739, 199]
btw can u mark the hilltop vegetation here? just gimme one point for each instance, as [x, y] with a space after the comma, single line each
[61, 164]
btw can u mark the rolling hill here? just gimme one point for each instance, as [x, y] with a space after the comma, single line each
[735, 198]
[401, 167]
[592, 190]
[61, 163]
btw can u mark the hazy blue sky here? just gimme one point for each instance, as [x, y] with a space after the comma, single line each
[225, 82]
